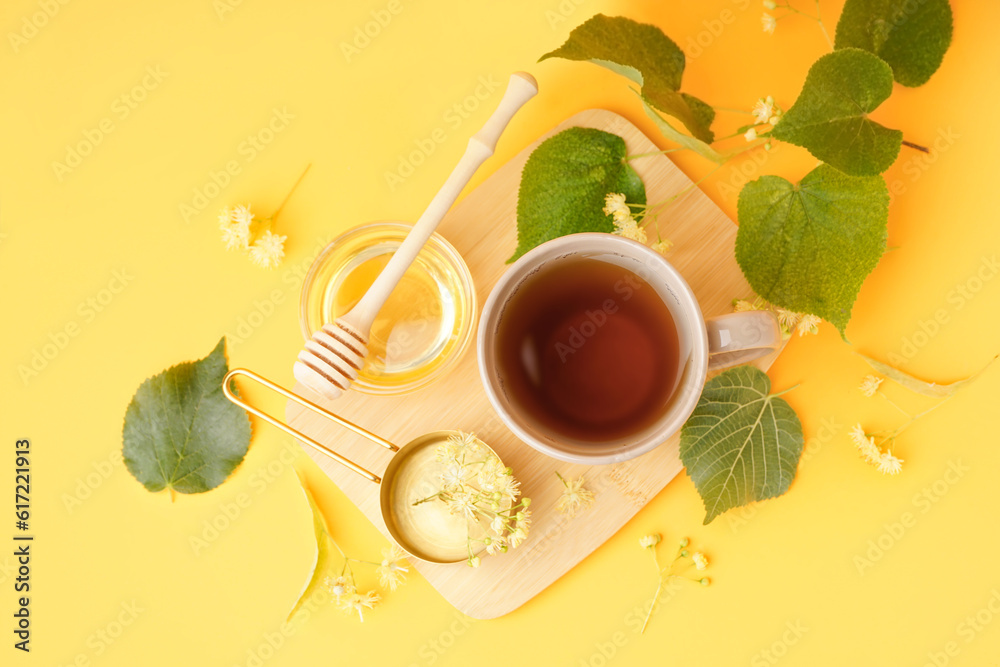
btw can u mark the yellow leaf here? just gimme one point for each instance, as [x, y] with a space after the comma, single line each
[323, 566]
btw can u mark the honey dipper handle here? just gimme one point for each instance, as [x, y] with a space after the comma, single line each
[521, 88]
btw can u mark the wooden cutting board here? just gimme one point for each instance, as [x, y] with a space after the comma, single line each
[483, 229]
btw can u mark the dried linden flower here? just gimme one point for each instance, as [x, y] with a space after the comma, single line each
[268, 250]
[768, 23]
[865, 444]
[392, 570]
[475, 484]
[870, 385]
[339, 586]
[648, 541]
[615, 206]
[763, 110]
[574, 497]
[630, 229]
[356, 602]
[663, 246]
[235, 227]
[889, 464]
[808, 324]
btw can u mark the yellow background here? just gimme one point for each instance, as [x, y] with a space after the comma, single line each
[791, 562]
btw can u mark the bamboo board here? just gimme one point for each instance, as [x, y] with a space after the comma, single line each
[483, 229]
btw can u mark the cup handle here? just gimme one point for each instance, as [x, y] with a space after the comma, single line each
[737, 338]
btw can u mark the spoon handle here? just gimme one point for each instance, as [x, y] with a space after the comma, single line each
[521, 88]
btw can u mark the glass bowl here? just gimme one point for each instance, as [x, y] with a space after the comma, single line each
[424, 327]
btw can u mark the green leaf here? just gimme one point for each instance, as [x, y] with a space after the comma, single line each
[809, 247]
[564, 183]
[643, 54]
[668, 130]
[181, 433]
[741, 444]
[830, 116]
[911, 36]
[324, 565]
[932, 389]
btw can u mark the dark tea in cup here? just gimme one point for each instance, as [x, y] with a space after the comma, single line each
[588, 349]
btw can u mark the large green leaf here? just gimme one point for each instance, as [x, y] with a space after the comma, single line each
[830, 116]
[809, 247]
[911, 35]
[181, 433]
[645, 55]
[740, 444]
[564, 183]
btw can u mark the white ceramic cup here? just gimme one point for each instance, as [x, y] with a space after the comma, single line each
[718, 342]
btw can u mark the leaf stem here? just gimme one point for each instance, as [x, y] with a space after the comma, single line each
[629, 158]
[731, 110]
[759, 141]
[818, 19]
[656, 595]
[922, 149]
[894, 404]
[822, 26]
[659, 587]
[274, 216]
[662, 205]
[784, 391]
[917, 416]
[428, 498]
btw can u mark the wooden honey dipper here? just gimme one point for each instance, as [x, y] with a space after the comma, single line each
[334, 355]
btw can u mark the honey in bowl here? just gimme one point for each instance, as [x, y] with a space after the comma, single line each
[588, 349]
[425, 325]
